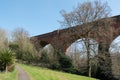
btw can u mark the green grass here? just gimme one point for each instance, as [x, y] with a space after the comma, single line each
[37, 73]
[8, 75]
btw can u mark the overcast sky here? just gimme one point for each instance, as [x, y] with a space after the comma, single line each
[39, 16]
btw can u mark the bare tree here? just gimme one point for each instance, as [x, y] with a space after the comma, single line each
[91, 21]
[3, 39]
[78, 52]
[21, 38]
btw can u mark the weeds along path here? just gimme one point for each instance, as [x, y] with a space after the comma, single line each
[22, 75]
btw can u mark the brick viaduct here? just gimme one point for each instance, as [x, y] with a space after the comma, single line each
[60, 38]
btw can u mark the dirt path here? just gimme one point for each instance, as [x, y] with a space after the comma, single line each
[22, 75]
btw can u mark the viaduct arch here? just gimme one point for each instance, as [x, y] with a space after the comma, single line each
[60, 38]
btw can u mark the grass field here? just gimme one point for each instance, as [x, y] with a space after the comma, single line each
[37, 73]
[8, 75]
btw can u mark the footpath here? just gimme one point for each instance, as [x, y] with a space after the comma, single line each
[22, 75]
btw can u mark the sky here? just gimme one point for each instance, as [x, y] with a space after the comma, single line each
[39, 16]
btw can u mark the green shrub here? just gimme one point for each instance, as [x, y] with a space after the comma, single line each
[65, 61]
[55, 66]
[44, 57]
[6, 59]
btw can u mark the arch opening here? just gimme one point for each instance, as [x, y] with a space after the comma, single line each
[43, 43]
[49, 50]
[40, 44]
[78, 50]
[79, 47]
[115, 55]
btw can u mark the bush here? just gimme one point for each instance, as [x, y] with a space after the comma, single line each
[65, 61]
[44, 57]
[55, 66]
[6, 59]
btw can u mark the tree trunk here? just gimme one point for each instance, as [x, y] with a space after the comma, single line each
[6, 68]
[87, 44]
[89, 69]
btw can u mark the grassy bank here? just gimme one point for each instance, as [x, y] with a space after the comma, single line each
[8, 75]
[37, 73]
